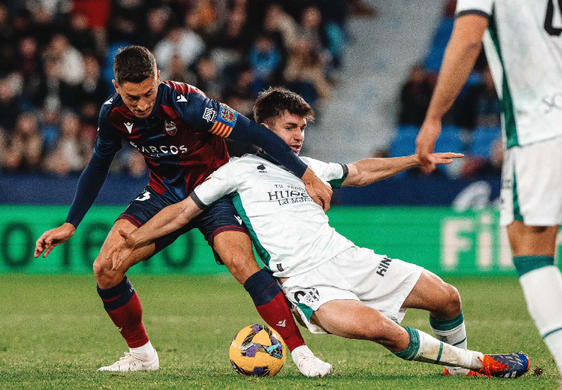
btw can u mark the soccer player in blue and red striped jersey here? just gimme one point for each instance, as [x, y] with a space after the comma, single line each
[180, 132]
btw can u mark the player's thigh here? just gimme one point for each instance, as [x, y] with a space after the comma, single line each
[105, 275]
[224, 230]
[235, 250]
[532, 184]
[433, 294]
[352, 319]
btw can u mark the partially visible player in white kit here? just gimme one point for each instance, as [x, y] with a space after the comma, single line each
[523, 44]
[335, 286]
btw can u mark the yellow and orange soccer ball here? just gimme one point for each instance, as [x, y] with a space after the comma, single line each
[257, 350]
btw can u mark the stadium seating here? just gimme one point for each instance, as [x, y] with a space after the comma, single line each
[482, 140]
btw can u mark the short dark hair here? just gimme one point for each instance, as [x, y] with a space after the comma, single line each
[272, 102]
[134, 64]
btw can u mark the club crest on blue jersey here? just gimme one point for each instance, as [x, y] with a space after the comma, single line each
[170, 127]
[227, 114]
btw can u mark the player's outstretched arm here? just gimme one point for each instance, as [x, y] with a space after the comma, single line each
[370, 170]
[459, 59]
[168, 220]
[52, 238]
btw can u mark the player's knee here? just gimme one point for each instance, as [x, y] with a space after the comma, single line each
[452, 304]
[240, 265]
[105, 276]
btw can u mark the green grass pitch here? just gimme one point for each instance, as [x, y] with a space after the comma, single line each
[54, 334]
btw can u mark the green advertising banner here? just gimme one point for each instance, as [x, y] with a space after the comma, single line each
[437, 238]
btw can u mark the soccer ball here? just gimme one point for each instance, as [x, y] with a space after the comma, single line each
[257, 350]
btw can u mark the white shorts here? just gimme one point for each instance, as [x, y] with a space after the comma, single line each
[358, 274]
[532, 184]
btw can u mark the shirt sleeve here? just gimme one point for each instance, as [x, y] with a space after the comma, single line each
[474, 7]
[92, 178]
[332, 173]
[204, 114]
[220, 183]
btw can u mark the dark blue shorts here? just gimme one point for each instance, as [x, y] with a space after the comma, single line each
[220, 216]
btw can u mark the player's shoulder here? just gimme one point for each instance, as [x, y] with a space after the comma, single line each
[112, 102]
[182, 92]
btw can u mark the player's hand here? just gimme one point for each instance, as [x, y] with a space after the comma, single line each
[317, 189]
[425, 144]
[52, 238]
[445, 158]
[119, 253]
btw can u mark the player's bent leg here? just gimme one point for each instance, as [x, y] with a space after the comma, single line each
[446, 318]
[352, 319]
[235, 250]
[540, 279]
[123, 305]
[431, 293]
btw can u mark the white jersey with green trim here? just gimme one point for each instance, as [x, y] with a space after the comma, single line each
[290, 232]
[524, 50]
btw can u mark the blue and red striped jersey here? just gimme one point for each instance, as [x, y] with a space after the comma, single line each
[181, 141]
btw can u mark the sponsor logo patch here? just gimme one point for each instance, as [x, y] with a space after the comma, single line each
[209, 115]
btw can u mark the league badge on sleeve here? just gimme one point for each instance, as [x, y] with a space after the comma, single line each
[170, 128]
[226, 120]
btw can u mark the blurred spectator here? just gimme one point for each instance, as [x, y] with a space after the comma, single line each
[6, 41]
[29, 65]
[49, 128]
[479, 106]
[89, 119]
[207, 78]
[185, 43]
[242, 94]
[156, 27]
[265, 59]
[311, 27]
[9, 106]
[69, 60]
[278, 22]
[127, 21]
[92, 88]
[203, 17]
[414, 97]
[72, 151]
[81, 36]
[305, 73]
[178, 71]
[97, 12]
[231, 42]
[482, 167]
[24, 146]
[53, 92]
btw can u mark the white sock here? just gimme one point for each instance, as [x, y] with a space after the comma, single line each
[426, 348]
[542, 288]
[451, 331]
[144, 352]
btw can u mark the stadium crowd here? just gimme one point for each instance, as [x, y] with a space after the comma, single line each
[57, 56]
[472, 126]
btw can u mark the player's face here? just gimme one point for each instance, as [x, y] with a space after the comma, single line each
[139, 98]
[290, 128]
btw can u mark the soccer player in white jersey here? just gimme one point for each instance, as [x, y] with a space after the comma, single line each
[524, 50]
[335, 286]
